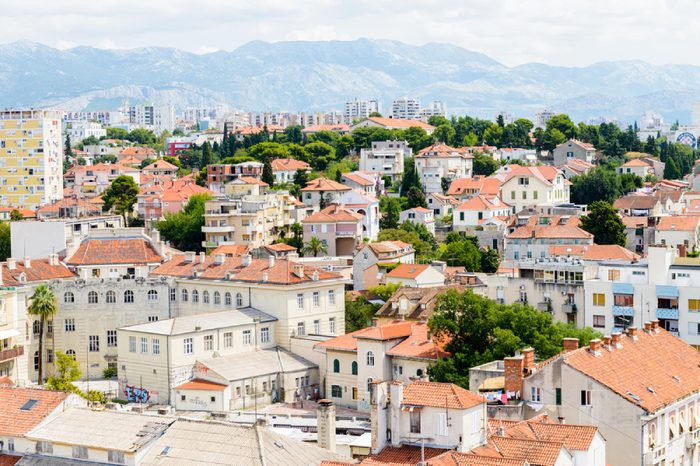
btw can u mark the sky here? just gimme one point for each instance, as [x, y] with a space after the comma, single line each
[555, 32]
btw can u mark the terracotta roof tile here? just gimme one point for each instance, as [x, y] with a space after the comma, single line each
[535, 452]
[408, 270]
[280, 247]
[357, 179]
[440, 395]
[487, 186]
[199, 384]
[455, 458]
[400, 123]
[40, 270]
[417, 345]
[325, 185]
[231, 250]
[678, 223]
[15, 421]
[289, 165]
[406, 455]
[332, 128]
[635, 201]
[332, 214]
[594, 252]
[8, 460]
[99, 251]
[481, 202]
[440, 149]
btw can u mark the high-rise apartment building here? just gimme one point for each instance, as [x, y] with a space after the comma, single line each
[406, 108]
[31, 158]
[155, 117]
[358, 109]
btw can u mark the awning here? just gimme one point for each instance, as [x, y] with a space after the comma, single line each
[9, 333]
[493, 383]
[666, 291]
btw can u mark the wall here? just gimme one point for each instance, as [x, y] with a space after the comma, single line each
[201, 400]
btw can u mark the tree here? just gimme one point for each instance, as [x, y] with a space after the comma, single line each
[5, 247]
[267, 175]
[320, 154]
[268, 151]
[490, 260]
[116, 133]
[16, 215]
[301, 178]
[121, 195]
[462, 253]
[375, 115]
[90, 141]
[207, 155]
[416, 198]
[314, 247]
[142, 136]
[67, 150]
[358, 314]
[294, 134]
[146, 162]
[444, 133]
[67, 372]
[485, 164]
[671, 170]
[390, 208]
[597, 185]
[604, 223]
[410, 176]
[42, 304]
[105, 158]
[184, 229]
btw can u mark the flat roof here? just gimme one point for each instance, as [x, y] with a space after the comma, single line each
[202, 322]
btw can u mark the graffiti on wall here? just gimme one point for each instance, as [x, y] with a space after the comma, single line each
[136, 394]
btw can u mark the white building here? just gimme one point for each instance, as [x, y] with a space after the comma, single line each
[359, 108]
[479, 208]
[419, 216]
[439, 162]
[434, 108]
[415, 275]
[522, 187]
[370, 261]
[385, 158]
[366, 205]
[405, 108]
[541, 118]
[158, 117]
[85, 129]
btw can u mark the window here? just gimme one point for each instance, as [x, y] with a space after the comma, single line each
[598, 299]
[265, 335]
[336, 366]
[36, 327]
[195, 296]
[11, 444]
[156, 346]
[585, 397]
[370, 358]
[336, 391]
[667, 303]
[354, 368]
[129, 296]
[49, 356]
[80, 452]
[187, 343]
[613, 275]
[152, 295]
[622, 321]
[183, 296]
[300, 301]
[132, 344]
[331, 296]
[331, 325]
[626, 300]
[354, 393]
[415, 421]
[144, 345]
[694, 305]
[92, 297]
[369, 385]
[557, 396]
[36, 360]
[111, 338]
[71, 354]
[68, 297]
[317, 327]
[205, 297]
[69, 325]
[111, 297]
[44, 447]
[246, 337]
[227, 299]
[208, 342]
[217, 298]
[94, 343]
[536, 394]
[239, 300]
[599, 321]
[115, 457]
[301, 330]
[442, 424]
[173, 294]
[228, 339]
[316, 301]
[153, 318]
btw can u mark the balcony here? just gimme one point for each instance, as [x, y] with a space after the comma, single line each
[623, 311]
[12, 353]
[655, 456]
[569, 308]
[218, 229]
[345, 234]
[667, 313]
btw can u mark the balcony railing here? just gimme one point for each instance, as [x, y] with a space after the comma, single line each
[345, 234]
[218, 229]
[666, 313]
[622, 310]
[11, 353]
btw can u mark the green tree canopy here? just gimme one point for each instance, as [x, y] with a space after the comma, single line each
[67, 372]
[314, 247]
[43, 305]
[121, 196]
[604, 223]
[5, 246]
[184, 229]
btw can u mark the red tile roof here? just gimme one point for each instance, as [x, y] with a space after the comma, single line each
[544, 173]
[160, 164]
[440, 395]
[289, 165]
[574, 437]
[199, 384]
[440, 149]
[231, 250]
[406, 455]
[400, 123]
[357, 179]
[325, 185]
[594, 252]
[483, 185]
[481, 202]
[98, 251]
[455, 458]
[417, 345]
[280, 247]
[15, 421]
[39, 270]
[6, 381]
[636, 201]
[408, 270]
[332, 128]
[8, 460]
[253, 180]
[555, 229]
[535, 452]
[678, 223]
[332, 214]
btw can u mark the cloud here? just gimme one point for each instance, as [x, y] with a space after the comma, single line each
[571, 32]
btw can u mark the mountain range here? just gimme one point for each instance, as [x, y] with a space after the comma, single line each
[322, 75]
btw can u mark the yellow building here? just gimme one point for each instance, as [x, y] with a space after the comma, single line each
[31, 158]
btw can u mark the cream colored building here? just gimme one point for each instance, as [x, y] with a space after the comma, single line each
[31, 158]
[13, 336]
[525, 186]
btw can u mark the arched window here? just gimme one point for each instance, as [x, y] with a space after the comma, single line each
[36, 327]
[128, 296]
[354, 368]
[184, 295]
[111, 297]
[36, 361]
[205, 297]
[195, 296]
[217, 298]
[336, 366]
[227, 299]
[92, 297]
[68, 297]
[419, 372]
[152, 295]
[239, 300]
[71, 353]
[370, 358]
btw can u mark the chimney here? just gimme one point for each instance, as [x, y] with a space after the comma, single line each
[270, 261]
[155, 235]
[647, 327]
[570, 344]
[607, 340]
[189, 257]
[655, 326]
[325, 418]
[632, 333]
[594, 346]
[299, 270]
[513, 373]
[616, 339]
[27, 262]
[202, 257]
[53, 259]
[529, 359]
[11, 263]
[246, 260]
[265, 277]
[219, 258]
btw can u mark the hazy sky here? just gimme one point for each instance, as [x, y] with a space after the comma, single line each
[558, 32]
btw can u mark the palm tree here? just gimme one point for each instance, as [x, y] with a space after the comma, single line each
[43, 304]
[314, 246]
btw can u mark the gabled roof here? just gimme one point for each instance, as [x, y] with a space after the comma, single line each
[556, 228]
[39, 270]
[535, 452]
[594, 252]
[440, 395]
[542, 427]
[15, 421]
[481, 184]
[397, 248]
[455, 458]
[160, 164]
[289, 164]
[406, 455]
[481, 203]
[231, 249]
[584, 145]
[651, 371]
[545, 173]
[342, 128]
[251, 180]
[400, 123]
[636, 163]
[440, 149]
[332, 214]
[325, 185]
[443, 199]
[358, 179]
[636, 201]
[99, 251]
[408, 270]
[199, 384]
[678, 223]
[418, 345]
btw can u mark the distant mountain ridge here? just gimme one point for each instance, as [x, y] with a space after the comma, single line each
[305, 76]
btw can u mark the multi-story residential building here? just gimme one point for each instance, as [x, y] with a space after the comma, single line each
[574, 149]
[385, 158]
[434, 108]
[418, 304]
[320, 192]
[415, 275]
[405, 108]
[638, 167]
[13, 363]
[369, 263]
[219, 175]
[158, 117]
[526, 186]
[419, 216]
[541, 118]
[89, 181]
[135, 155]
[160, 169]
[167, 196]
[368, 182]
[359, 108]
[534, 238]
[338, 228]
[465, 188]
[397, 351]
[31, 158]
[365, 205]
[285, 170]
[679, 231]
[253, 220]
[85, 129]
[575, 167]
[515, 154]
[476, 210]
[392, 123]
[105, 118]
[639, 388]
[441, 204]
[441, 162]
